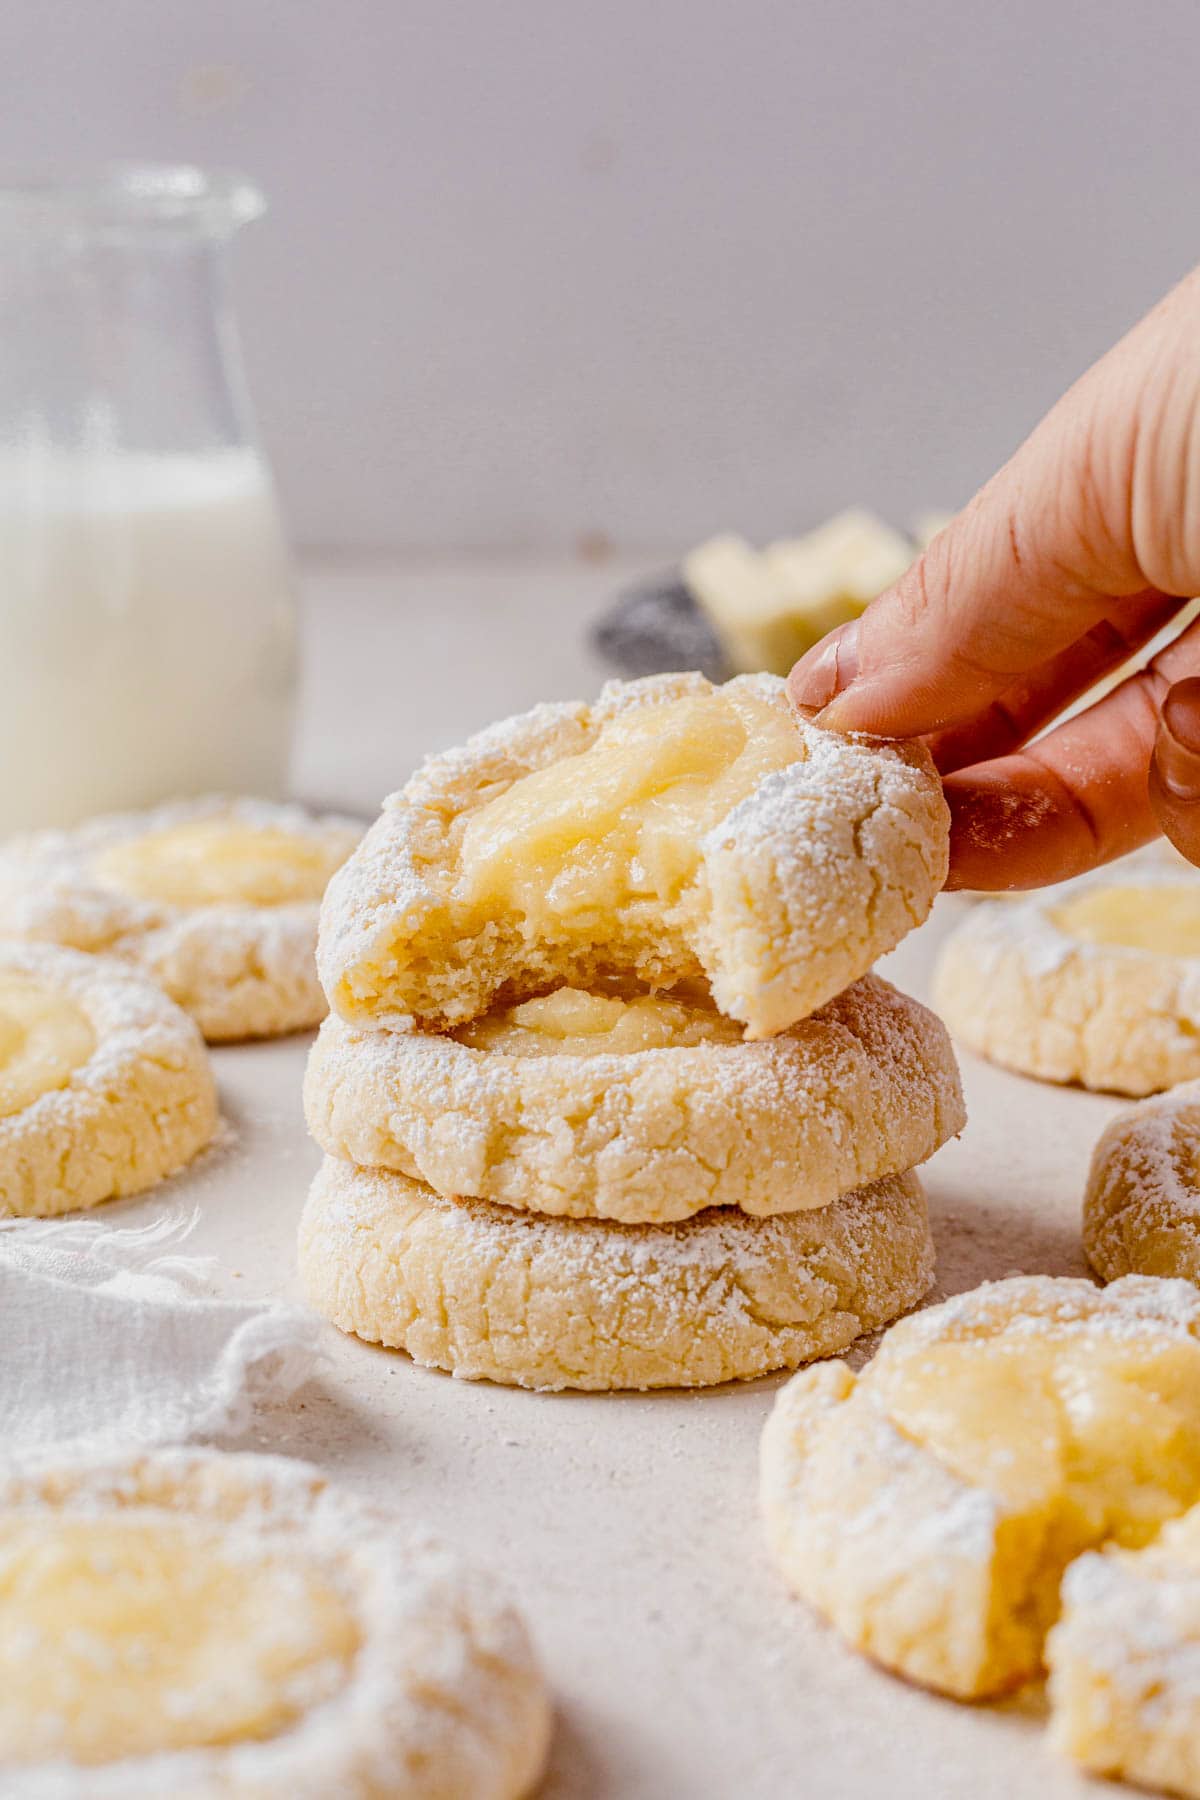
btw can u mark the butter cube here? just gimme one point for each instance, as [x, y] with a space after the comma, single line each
[768, 608]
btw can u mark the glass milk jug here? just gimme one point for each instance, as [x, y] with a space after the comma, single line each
[147, 621]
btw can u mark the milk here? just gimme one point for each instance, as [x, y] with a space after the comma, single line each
[147, 632]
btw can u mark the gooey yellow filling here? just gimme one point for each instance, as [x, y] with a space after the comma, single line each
[1098, 1432]
[623, 820]
[124, 1637]
[571, 1022]
[210, 862]
[44, 1037]
[1163, 918]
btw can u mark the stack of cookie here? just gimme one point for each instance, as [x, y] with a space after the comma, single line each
[608, 1094]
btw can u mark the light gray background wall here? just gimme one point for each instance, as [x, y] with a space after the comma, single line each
[539, 269]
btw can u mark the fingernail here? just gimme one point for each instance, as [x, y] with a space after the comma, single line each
[1177, 748]
[826, 670]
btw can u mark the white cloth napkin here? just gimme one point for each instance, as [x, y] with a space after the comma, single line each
[107, 1343]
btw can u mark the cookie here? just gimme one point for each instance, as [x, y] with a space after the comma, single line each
[216, 899]
[203, 1624]
[493, 1294]
[644, 1108]
[1096, 981]
[1141, 1205]
[929, 1506]
[105, 1085]
[671, 831]
[1125, 1662]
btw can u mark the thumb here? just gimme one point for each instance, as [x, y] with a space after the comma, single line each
[1175, 768]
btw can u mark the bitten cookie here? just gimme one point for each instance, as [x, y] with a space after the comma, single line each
[216, 899]
[105, 1085]
[643, 1108]
[1141, 1206]
[206, 1625]
[929, 1506]
[672, 830]
[1096, 981]
[493, 1294]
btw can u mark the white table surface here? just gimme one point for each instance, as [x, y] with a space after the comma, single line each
[626, 1524]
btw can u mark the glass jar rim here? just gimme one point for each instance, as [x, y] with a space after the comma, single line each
[126, 195]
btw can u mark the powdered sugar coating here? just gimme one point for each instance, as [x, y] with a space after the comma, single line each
[141, 1106]
[443, 1697]
[1141, 1205]
[515, 1297]
[1014, 987]
[940, 1579]
[840, 855]
[820, 870]
[239, 970]
[865, 1088]
[1125, 1662]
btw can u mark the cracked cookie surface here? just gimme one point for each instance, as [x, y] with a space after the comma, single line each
[216, 899]
[205, 1624]
[1096, 981]
[670, 831]
[643, 1108]
[929, 1506]
[489, 1293]
[105, 1084]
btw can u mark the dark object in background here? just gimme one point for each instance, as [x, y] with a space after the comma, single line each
[658, 628]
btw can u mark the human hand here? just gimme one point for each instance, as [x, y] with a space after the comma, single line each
[1071, 559]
